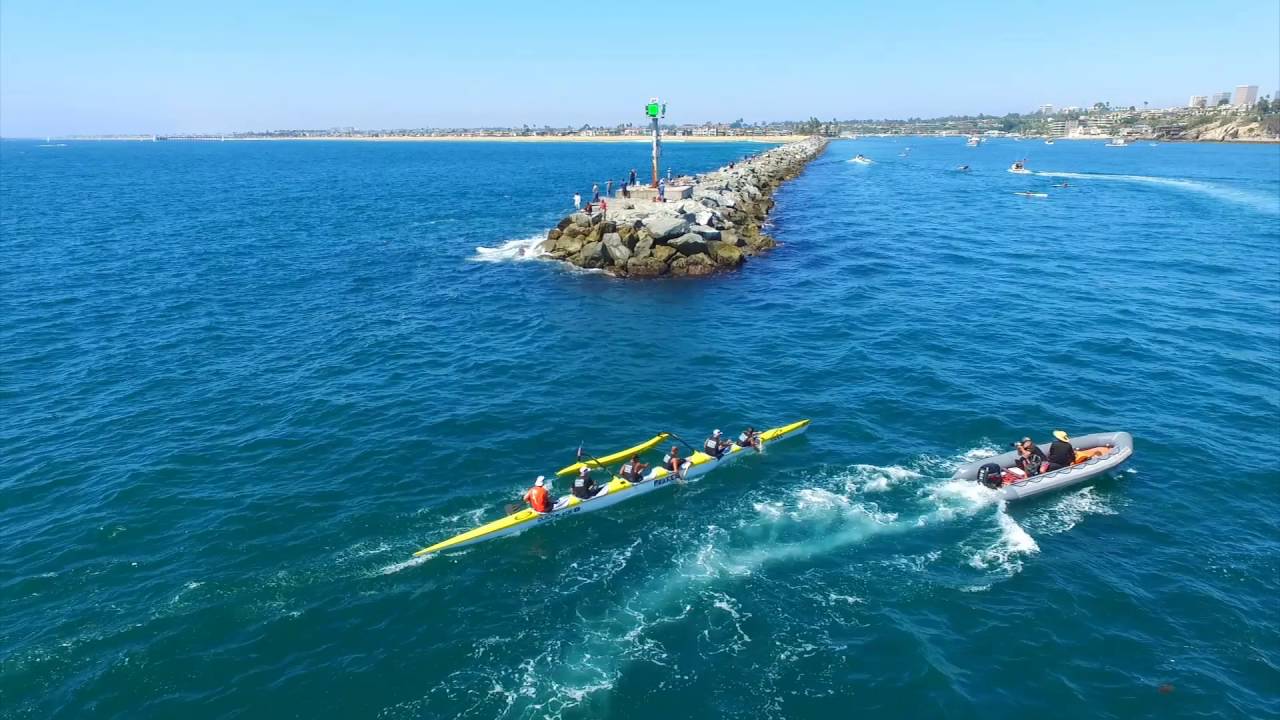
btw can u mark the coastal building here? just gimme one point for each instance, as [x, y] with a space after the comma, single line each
[1217, 99]
[1246, 96]
[1063, 127]
[1046, 109]
[1198, 101]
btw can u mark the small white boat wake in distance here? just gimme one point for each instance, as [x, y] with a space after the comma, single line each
[1019, 167]
[861, 160]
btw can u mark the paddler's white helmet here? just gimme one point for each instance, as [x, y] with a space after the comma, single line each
[584, 470]
[717, 432]
[540, 481]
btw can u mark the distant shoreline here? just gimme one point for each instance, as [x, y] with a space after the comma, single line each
[779, 139]
[674, 139]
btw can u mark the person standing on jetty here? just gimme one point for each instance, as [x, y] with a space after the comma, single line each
[608, 188]
[632, 180]
[577, 201]
[595, 192]
[662, 191]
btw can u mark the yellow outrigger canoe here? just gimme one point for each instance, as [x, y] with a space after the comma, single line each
[612, 492]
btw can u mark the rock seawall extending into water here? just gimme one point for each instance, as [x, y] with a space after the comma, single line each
[709, 223]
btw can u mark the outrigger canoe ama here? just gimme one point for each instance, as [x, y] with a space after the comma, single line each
[614, 491]
[615, 458]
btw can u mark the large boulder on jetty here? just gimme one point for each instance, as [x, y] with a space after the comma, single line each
[593, 255]
[663, 227]
[706, 217]
[725, 254]
[706, 233]
[569, 244]
[764, 242]
[554, 235]
[731, 237]
[580, 219]
[693, 266]
[617, 249]
[663, 253]
[643, 247]
[688, 207]
[646, 267]
[689, 244]
[628, 235]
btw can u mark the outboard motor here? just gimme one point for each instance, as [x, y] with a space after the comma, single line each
[990, 475]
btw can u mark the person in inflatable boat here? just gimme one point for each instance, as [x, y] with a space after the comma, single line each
[1061, 454]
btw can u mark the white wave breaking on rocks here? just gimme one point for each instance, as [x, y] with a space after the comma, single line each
[518, 250]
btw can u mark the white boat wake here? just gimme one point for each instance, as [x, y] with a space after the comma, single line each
[1257, 201]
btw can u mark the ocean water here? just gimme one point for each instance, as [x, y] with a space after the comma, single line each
[242, 382]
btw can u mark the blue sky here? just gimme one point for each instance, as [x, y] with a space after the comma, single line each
[90, 67]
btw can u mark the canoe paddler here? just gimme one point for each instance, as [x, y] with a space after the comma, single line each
[716, 445]
[749, 438]
[673, 463]
[584, 486]
[633, 470]
[537, 496]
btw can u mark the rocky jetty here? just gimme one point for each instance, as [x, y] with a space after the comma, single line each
[709, 223]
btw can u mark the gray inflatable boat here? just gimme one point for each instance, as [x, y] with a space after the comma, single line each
[1118, 446]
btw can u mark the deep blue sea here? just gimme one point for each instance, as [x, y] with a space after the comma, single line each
[241, 383]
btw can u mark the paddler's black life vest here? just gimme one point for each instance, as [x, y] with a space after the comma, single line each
[628, 471]
[581, 488]
[711, 446]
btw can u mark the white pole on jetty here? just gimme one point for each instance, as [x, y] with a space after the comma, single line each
[656, 110]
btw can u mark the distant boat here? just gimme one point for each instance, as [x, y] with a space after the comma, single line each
[1118, 142]
[48, 142]
[1019, 167]
[861, 160]
[962, 168]
[974, 141]
[1029, 194]
[1049, 141]
[1154, 144]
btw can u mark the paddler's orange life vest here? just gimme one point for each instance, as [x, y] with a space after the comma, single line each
[538, 499]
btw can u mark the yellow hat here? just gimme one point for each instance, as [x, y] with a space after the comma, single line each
[1061, 435]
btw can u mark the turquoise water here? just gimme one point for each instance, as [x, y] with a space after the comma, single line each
[243, 382]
